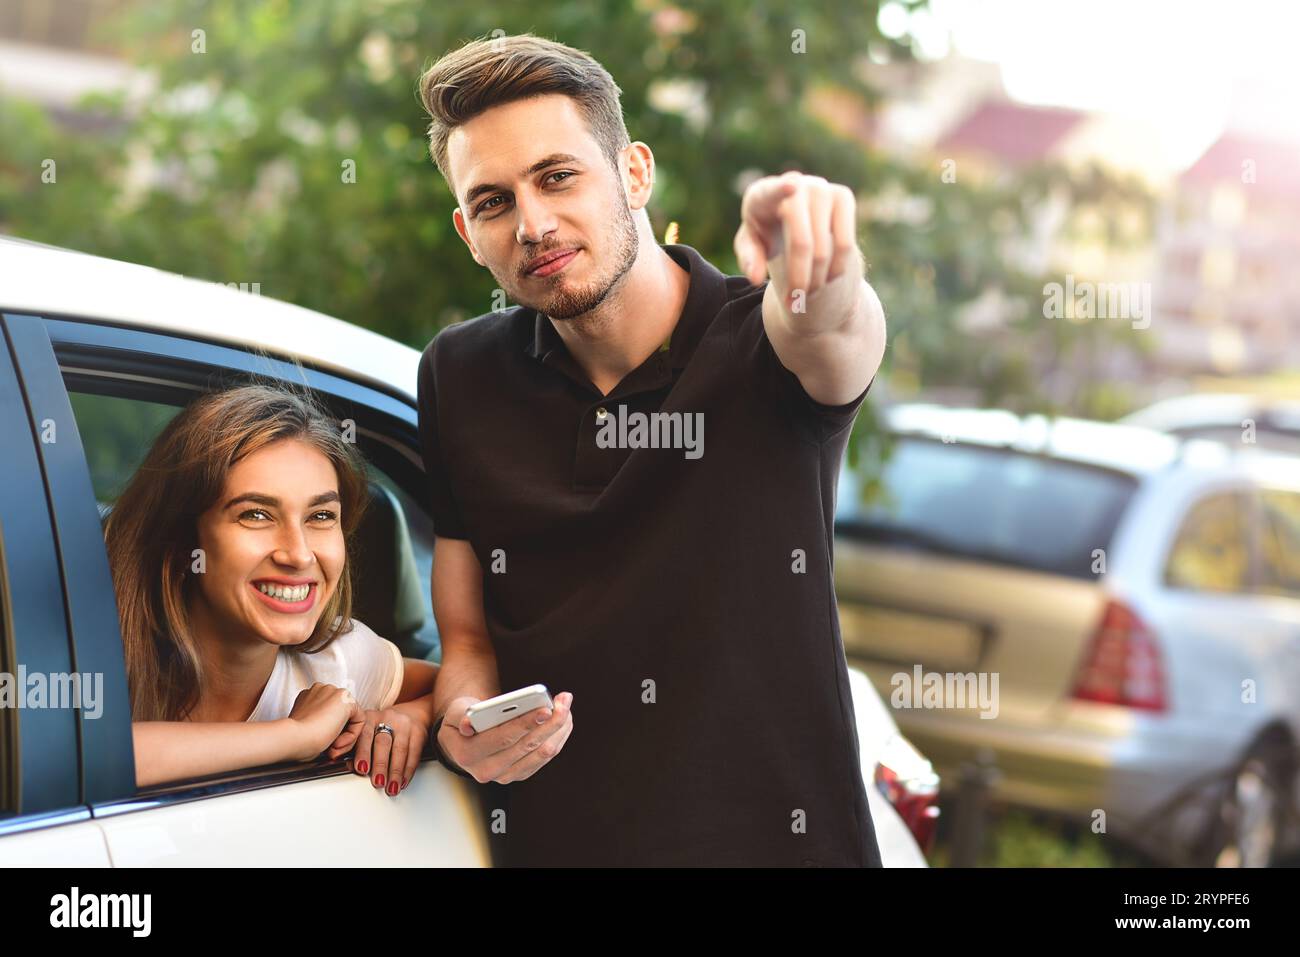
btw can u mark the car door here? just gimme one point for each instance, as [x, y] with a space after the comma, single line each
[1277, 589]
[296, 814]
[1217, 623]
[44, 819]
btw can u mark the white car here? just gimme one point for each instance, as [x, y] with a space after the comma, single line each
[104, 353]
[1241, 420]
[1130, 602]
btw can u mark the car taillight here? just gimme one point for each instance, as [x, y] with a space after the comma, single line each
[1123, 663]
[913, 795]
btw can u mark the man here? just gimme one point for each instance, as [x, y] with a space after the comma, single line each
[678, 591]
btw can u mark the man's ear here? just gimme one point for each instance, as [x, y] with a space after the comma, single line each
[458, 221]
[639, 177]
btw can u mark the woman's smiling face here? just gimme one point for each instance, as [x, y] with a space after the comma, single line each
[272, 545]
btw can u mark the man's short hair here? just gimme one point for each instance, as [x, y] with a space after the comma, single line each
[492, 71]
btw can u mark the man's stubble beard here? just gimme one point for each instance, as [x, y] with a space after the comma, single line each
[565, 303]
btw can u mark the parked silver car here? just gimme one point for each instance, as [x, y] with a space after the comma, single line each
[1108, 615]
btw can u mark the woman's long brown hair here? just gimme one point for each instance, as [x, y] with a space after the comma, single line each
[153, 530]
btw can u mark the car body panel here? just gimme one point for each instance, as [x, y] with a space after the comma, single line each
[342, 819]
[55, 282]
[65, 845]
[875, 726]
[1026, 626]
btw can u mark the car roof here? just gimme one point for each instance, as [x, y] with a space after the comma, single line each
[1123, 448]
[47, 280]
[1205, 410]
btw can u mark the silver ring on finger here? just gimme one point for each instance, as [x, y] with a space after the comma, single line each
[385, 728]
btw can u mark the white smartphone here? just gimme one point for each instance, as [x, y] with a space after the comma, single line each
[494, 711]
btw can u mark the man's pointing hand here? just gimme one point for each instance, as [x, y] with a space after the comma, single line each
[809, 222]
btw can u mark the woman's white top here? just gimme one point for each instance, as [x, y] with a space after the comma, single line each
[369, 666]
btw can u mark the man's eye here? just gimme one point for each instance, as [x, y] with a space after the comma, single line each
[563, 172]
[488, 205]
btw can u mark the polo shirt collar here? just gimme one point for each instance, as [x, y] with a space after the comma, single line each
[705, 297]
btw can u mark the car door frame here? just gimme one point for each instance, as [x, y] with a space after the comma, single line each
[47, 780]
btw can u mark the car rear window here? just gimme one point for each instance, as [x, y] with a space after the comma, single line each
[995, 505]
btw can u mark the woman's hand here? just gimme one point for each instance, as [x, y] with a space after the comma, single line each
[389, 759]
[321, 713]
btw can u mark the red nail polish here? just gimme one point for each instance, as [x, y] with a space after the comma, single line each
[363, 767]
[393, 788]
[379, 780]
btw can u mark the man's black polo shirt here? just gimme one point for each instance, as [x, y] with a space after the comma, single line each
[685, 599]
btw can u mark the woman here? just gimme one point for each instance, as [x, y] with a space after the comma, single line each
[229, 553]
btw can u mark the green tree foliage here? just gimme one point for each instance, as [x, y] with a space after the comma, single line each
[234, 168]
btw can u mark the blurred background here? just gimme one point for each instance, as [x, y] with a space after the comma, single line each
[1077, 469]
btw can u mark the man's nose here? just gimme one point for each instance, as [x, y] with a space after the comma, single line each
[534, 219]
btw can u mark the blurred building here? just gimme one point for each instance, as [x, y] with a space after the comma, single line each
[1225, 297]
[1229, 239]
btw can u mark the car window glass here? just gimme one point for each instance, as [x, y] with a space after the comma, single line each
[989, 504]
[1280, 543]
[1212, 550]
[116, 434]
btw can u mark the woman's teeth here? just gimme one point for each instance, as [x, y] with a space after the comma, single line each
[285, 592]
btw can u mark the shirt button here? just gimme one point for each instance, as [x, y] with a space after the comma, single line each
[602, 412]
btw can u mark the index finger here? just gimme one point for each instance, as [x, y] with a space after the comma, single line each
[761, 199]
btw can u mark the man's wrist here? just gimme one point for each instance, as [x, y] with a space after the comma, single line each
[443, 759]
